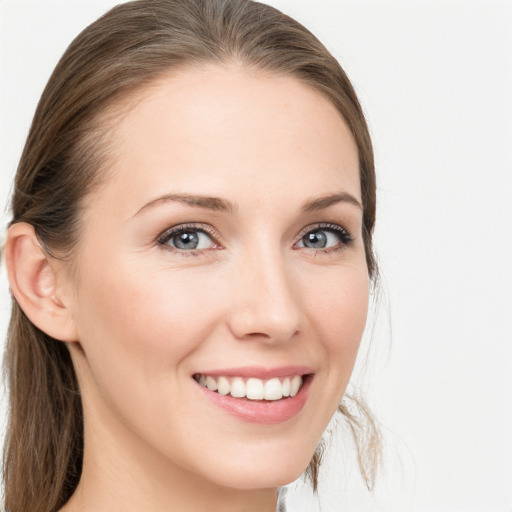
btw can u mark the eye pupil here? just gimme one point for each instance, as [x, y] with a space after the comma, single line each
[315, 240]
[186, 240]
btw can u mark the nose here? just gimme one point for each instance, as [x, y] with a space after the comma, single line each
[266, 300]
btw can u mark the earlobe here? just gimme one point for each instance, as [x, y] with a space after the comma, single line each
[32, 275]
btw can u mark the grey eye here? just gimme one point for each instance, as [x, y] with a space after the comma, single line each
[315, 240]
[320, 239]
[190, 240]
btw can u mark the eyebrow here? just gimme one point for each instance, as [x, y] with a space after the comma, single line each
[209, 203]
[222, 205]
[326, 201]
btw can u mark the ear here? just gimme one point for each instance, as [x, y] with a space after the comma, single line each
[33, 278]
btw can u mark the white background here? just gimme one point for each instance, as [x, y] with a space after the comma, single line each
[435, 79]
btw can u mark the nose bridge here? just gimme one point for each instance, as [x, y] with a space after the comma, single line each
[266, 303]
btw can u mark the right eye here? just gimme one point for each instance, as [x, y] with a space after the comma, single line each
[190, 240]
[187, 239]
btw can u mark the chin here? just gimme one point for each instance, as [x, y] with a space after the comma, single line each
[262, 479]
[268, 470]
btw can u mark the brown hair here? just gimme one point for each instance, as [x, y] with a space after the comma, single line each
[64, 159]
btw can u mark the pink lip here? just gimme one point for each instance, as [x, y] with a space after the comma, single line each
[259, 372]
[264, 412]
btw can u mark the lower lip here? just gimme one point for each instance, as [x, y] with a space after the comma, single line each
[256, 411]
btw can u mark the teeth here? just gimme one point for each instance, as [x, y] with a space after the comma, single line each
[211, 383]
[253, 389]
[273, 390]
[286, 387]
[223, 387]
[238, 388]
[295, 385]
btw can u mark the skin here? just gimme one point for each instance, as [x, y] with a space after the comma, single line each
[146, 317]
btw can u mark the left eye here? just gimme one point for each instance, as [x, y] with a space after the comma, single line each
[189, 240]
[320, 239]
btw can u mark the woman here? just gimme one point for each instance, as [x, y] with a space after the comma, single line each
[190, 258]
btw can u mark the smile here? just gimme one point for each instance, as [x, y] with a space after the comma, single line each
[256, 395]
[252, 388]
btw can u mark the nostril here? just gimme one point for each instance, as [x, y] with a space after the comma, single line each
[272, 336]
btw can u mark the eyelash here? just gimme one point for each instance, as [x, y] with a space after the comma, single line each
[346, 238]
[163, 239]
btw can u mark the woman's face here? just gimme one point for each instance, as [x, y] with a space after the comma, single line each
[224, 248]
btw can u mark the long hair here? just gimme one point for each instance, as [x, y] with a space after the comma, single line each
[64, 160]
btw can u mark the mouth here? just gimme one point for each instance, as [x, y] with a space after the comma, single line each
[265, 397]
[276, 388]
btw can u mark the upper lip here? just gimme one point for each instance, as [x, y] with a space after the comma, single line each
[259, 372]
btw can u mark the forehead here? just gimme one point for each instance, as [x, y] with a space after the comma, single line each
[226, 130]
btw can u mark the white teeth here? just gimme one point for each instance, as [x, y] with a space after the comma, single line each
[223, 386]
[295, 384]
[211, 383]
[252, 388]
[238, 387]
[273, 389]
[286, 387]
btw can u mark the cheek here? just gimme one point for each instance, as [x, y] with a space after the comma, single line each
[142, 324]
[139, 332]
[338, 313]
[339, 309]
